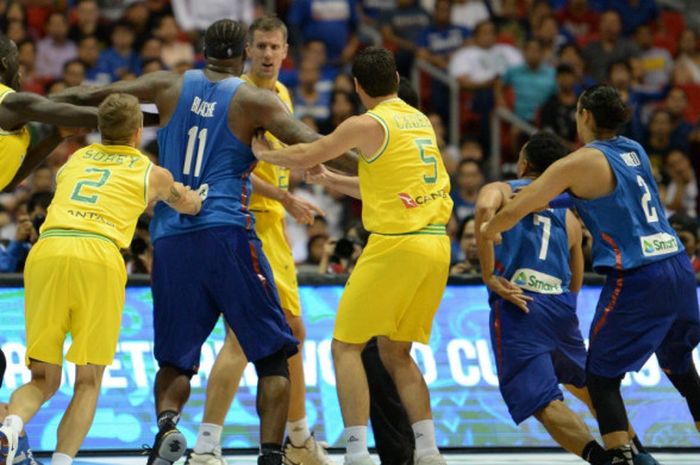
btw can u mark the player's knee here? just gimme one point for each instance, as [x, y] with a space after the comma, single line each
[688, 385]
[89, 378]
[607, 400]
[172, 372]
[273, 365]
[393, 353]
[549, 411]
[340, 348]
[47, 384]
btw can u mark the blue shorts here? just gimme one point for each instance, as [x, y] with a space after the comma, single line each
[536, 351]
[646, 310]
[201, 275]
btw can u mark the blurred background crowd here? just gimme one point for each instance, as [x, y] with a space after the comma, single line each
[468, 59]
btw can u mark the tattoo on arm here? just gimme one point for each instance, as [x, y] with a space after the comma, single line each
[174, 196]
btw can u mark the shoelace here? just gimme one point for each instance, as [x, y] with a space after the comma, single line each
[146, 449]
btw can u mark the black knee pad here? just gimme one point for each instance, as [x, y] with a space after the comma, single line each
[608, 403]
[179, 371]
[273, 365]
[688, 384]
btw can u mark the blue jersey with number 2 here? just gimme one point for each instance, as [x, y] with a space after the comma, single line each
[629, 225]
[198, 147]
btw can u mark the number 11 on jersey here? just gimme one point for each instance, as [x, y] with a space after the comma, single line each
[193, 134]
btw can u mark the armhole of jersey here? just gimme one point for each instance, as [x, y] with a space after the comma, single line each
[385, 143]
[146, 183]
[4, 94]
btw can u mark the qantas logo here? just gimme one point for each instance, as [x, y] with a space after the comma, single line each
[407, 200]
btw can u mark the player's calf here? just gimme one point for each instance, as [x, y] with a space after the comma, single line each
[688, 385]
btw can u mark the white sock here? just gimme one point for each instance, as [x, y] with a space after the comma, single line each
[14, 422]
[355, 442]
[298, 432]
[424, 432]
[61, 459]
[208, 439]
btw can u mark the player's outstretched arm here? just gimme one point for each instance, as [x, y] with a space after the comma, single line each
[491, 198]
[348, 185]
[355, 132]
[270, 113]
[301, 210]
[146, 88]
[560, 176]
[19, 108]
[163, 187]
[575, 235]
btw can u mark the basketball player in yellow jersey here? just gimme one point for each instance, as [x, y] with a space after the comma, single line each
[399, 280]
[266, 49]
[75, 275]
[17, 109]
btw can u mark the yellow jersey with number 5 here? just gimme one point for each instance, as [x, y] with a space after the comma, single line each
[13, 146]
[273, 174]
[101, 190]
[405, 187]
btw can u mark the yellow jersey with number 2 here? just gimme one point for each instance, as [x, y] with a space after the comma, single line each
[405, 187]
[13, 146]
[273, 174]
[101, 190]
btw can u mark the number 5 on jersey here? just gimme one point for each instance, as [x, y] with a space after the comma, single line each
[194, 133]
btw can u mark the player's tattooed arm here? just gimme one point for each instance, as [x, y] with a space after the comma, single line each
[301, 210]
[161, 186]
[270, 113]
[574, 233]
[146, 88]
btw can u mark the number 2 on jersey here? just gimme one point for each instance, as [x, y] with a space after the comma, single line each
[193, 134]
[649, 210]
[104, 176]
[546, 232]
[424, 146]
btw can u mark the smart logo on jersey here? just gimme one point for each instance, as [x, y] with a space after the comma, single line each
[536, 281]
[658, 244]
[631, 159]
[407, 200]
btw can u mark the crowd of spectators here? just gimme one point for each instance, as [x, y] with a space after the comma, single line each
[532, 57]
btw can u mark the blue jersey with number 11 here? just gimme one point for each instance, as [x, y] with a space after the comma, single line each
[629, 225]
[198, 147]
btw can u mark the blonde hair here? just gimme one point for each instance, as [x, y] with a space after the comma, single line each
[118, 117]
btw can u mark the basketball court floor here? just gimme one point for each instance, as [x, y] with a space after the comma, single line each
[525, 458]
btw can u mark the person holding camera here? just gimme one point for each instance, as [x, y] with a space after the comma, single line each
[17, 249]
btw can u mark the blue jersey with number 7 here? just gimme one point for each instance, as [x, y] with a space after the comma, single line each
[198, 147]
[629, 225]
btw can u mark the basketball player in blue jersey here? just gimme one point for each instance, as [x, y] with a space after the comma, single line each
[213, 265]
[648, 304]
[533, 277]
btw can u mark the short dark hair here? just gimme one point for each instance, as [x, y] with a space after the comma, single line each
[463, 225]
[267, 24]
[39, 199]
[407, 93]
[375, 71]
[543, 149]
[606, 106]
[225, 39]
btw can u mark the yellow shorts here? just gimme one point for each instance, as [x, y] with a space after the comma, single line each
[395, 289]
[74, 285]
[270, 230]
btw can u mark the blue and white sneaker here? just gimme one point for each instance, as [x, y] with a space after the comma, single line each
[8, 445]
[24, 455]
